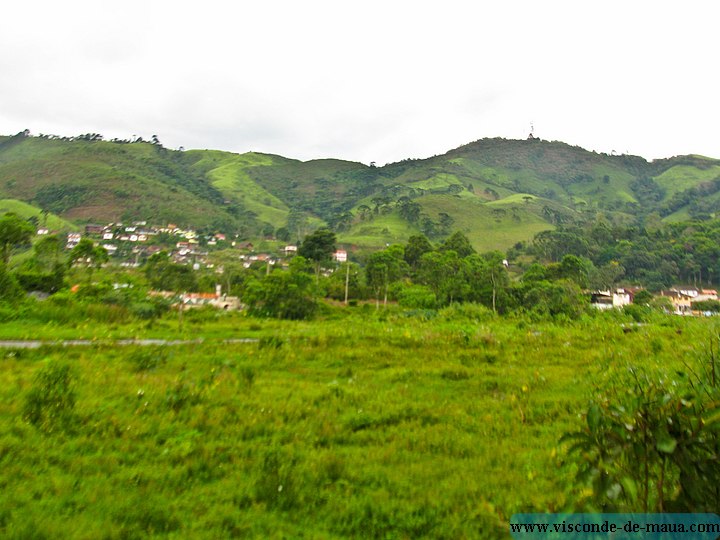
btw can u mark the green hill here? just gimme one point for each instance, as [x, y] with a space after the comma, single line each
[25, 210]
[498, 192]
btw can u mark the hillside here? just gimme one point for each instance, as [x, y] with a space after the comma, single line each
[497, 191]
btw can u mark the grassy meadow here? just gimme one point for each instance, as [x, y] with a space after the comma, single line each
[364, 423]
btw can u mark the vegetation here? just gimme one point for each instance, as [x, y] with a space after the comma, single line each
[484, 386]
[497, 192]
[355, 425]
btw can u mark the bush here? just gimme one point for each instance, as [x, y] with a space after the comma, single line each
[416, 297]
[148, 358]
[650, 442]
[10, 290]
[50, 402]
[283, 295]
[467, 312]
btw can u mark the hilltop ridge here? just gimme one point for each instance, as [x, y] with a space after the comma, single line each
[497, 191]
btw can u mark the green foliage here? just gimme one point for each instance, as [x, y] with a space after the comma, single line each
[14, 232]
[559, 298]
[384, 268]
[383, 407]
[651, 441]
[165, 275]
[417, 246]
[318, 246]
[50, 402]
[87, 254]
[10, 289]
[32, 279]
[712, 306]
[148, 358]
[416, 296]
[283, 295]
[458, 243]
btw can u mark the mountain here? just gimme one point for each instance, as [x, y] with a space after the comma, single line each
[497, 191]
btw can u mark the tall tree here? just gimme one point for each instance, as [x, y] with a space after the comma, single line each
[458, 243]
[383, 268]
[416, 247]
[88, 254]
[318, 247]
[14, 232]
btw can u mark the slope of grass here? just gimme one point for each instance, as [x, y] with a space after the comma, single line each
[682, 177]
[381, 230]
[24, 210]
[487, 227]
[228, 173]
[102, 181]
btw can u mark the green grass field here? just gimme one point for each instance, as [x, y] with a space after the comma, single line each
[361, 425]
[227, 172]
[25, 211]
[682, 177]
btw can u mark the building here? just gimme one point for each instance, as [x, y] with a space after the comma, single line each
[611, 299]
[681, 300]
[340, 256]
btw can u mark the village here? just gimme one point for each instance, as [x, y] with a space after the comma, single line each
[131, 245]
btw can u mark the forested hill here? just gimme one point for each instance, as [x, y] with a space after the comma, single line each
[495, 191]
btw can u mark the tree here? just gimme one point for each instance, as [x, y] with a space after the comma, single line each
[416, 247]
[282, 294]
[458, 243]
[409, 210]
[442, 272]
[14, 232]
[162, 273]
[10, 290]
[87, 253]
[318, 247]
[446, 221]
[47, 251]
[384, 267]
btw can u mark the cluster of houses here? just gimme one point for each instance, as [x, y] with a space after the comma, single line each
[681, 299]
[136, 240]
[186, 301]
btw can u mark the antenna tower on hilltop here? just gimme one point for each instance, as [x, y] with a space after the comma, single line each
[532, 132]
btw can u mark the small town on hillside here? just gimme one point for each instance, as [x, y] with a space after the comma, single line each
[131, 244]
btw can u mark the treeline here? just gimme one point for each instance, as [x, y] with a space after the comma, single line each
[418, 275]
[654, 256]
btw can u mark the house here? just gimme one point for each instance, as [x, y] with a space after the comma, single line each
[94, 229]
[217, 299]
[340, 256]
[43, 231]
[706, 294]
[611, 299]
[290, 250]
[108, 236]
[681, 301]
[73, 239]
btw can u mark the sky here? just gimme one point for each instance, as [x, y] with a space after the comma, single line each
[365, 81]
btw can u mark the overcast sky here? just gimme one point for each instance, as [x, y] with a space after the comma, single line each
[365, 81]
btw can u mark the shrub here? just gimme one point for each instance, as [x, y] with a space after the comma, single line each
[467, 312]
[148, 358]
[417, 297]
[650, 442]
[50, 402]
